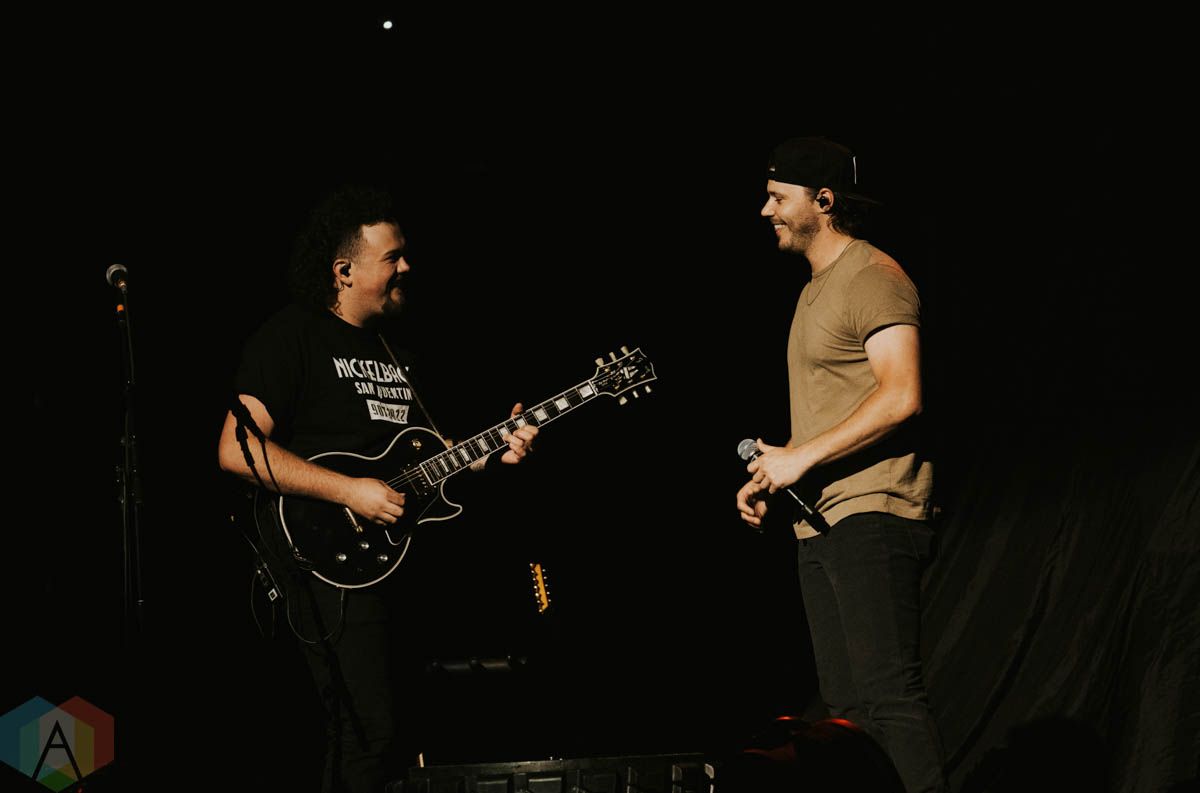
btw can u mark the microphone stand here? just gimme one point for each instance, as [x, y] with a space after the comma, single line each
[129, 483]
[129, 496]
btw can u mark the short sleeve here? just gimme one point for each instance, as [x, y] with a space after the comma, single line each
[881, 295]
[272, 371]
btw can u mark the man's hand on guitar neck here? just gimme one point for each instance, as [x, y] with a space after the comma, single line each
[520, 443]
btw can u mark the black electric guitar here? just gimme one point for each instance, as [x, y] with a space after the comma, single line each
[346, 550]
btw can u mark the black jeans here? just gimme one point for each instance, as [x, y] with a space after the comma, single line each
[862, 585]
[353, 672]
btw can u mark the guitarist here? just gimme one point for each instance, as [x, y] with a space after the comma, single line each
[320, 376]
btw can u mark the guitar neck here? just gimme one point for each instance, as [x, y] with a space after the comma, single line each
[459, 457]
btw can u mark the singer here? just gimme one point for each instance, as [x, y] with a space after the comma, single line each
[855, 381]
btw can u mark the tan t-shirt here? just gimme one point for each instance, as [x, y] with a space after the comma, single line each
[829, 377]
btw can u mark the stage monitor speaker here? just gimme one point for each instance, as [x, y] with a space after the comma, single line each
[668, 773]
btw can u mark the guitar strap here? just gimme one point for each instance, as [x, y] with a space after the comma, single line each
[412, 387]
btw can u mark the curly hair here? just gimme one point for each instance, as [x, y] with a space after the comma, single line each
[334, 230]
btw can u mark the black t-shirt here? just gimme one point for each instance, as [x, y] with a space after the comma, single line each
[328, 385]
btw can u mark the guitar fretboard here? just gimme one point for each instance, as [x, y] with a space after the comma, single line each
[458, 458]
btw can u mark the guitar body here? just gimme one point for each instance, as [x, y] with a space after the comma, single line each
[347, 550]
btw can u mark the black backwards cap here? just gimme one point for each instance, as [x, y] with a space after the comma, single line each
[817, 163]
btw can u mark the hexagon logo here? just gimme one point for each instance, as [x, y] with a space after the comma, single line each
[56, 745]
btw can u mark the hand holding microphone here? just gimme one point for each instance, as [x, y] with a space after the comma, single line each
[749, 450]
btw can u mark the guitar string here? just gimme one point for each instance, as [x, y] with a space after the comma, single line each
[415, 473]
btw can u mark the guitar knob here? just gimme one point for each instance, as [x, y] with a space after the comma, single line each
[366, 546]
[382, 558]
[600, 361]
[622, 401]
[624, 349]
[341, 557]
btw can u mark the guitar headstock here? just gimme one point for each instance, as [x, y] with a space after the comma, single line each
[623, 374]
[541, 590]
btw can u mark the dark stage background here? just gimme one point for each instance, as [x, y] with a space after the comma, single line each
[565, 199]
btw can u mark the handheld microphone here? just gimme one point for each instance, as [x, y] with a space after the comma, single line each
[117, 275]
[748, 450]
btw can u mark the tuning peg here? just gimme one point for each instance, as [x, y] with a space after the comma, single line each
[635, 393]
[600, 361]
[622, 401]
[646, 389]
[624, 349]
[613, 355]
